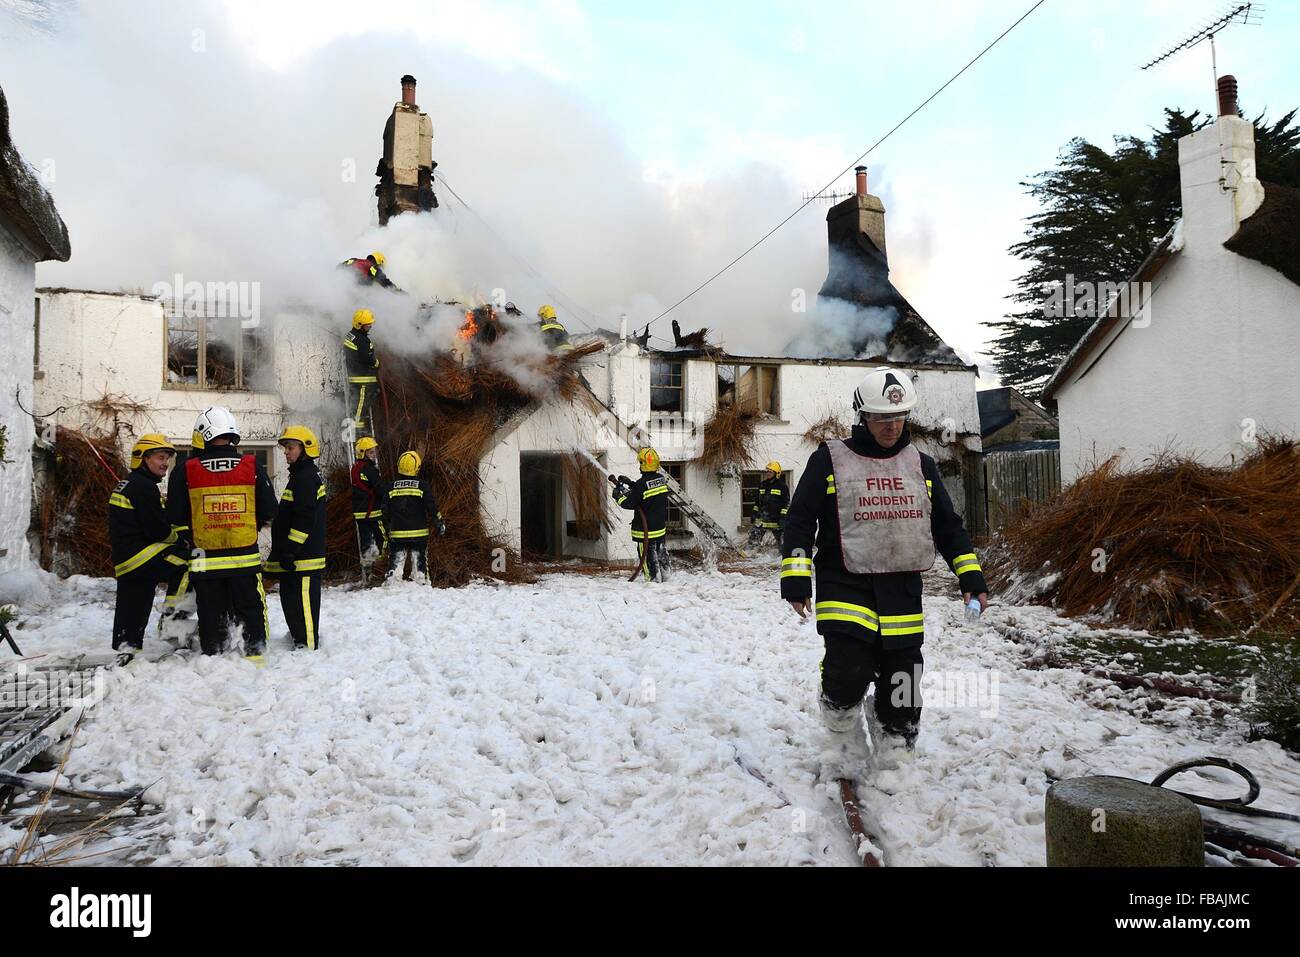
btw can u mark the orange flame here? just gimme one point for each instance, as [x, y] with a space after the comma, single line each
[470, 328]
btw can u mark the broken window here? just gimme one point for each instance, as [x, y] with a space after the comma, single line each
[666, 392]
[205, 352]
[752, 388]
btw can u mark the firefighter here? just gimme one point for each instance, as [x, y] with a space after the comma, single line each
[770, 506]
[876, 509]
[142, 540]
[369, 496]
[369, 270]
[218, 501]
[553, 332]
[412, 511]
[298, 538]
[647, 497]
[363, 369]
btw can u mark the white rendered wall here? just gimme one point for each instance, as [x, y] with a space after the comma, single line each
[17, 282]
[98, 344]
[1217, 360]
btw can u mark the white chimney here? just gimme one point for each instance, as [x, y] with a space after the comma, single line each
[1216, 168]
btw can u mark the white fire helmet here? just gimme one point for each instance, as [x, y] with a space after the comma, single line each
[214, 422]
[884, 390]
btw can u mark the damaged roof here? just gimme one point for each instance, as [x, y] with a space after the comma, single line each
[863, 279]
[1271, 234]
[24, 201]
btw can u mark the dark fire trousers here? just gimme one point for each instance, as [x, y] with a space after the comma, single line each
[300, 601]
[223, 601]
[852, 663]
[135, 594]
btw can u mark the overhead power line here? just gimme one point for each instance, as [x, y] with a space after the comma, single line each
[1023, 17]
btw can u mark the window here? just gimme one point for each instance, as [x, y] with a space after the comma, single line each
[676, 520]
[753, 388]
[214, 352]
[749, 482]
[666, 393]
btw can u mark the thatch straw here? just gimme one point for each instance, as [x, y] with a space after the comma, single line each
[1183, 545]
[829, 426]
[449, 413]
[71, 515]
[727, 438]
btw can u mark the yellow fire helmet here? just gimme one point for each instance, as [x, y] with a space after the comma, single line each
[150, 442]
[409, 463]
[546, 312]
[304, 435]
[363, 319]
[648, 459]
[377, 259]
[774, 466]
[365, 445]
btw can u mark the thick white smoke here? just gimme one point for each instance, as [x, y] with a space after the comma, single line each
[170, 149]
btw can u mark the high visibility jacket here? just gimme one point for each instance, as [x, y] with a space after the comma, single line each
[138, 529]
[555, 335]
[299, 526]
[359, 357]
[771, 503]
[367, 272]
[647, 496]
[369, 493]
[412, 510]
[884, 605]
[219, 499]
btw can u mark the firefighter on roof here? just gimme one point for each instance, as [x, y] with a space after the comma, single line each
[369, 270]
[142, 540]
[363, 370]
[876, 510]
[412, 513]
[218, 501]
[369, 496]
[553, 332]
[298, 538]
[647, 498]
[770, 506]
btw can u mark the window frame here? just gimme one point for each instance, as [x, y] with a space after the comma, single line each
[676, 519]
[680, 388]
[760, 368]
[174, 311]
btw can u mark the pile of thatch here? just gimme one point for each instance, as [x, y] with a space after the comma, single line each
[728, 437]
[1182, 545]
[829, 426]
[70, 515]
[449, 412]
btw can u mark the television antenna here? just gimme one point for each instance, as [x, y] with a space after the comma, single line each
[1249, 14]
[825, 197]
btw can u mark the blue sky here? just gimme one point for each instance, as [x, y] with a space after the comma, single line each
[717, 117]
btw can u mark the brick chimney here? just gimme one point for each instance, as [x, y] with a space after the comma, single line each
[405, 170]
[861, 213]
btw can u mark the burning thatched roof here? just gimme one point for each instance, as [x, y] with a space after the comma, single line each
[24, 201]
[1271, 235]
